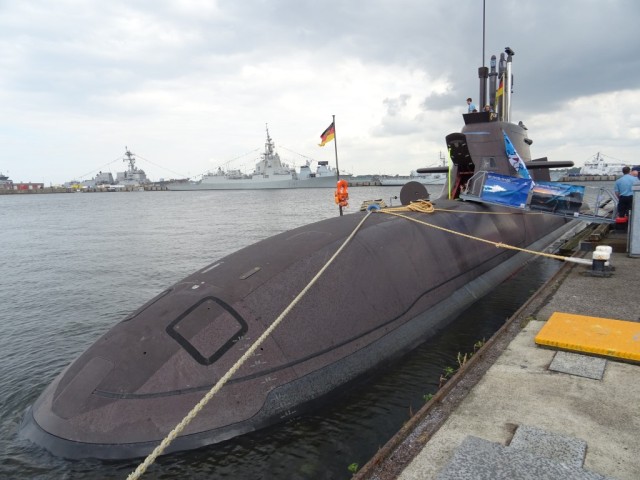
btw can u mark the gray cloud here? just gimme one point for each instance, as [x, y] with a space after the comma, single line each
[171, 75]
[396, 105]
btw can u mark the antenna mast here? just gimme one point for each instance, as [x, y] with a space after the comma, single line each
[483, 72]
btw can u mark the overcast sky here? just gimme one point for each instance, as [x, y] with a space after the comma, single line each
[189, 85]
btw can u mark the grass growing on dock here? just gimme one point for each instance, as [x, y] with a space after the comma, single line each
[462, 360]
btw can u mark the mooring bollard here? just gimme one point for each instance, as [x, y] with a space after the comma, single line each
[600, 259]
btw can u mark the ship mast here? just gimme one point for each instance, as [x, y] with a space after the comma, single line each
[268, 146]
[508, 81]
[129, 158]
[483, 72]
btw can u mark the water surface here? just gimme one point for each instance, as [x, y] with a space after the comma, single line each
[73, 265]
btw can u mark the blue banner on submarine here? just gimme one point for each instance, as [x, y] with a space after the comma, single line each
[506, 190]
[557, 197]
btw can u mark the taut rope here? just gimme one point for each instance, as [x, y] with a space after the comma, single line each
[202, 403]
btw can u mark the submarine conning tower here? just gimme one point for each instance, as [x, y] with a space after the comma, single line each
[480, 146]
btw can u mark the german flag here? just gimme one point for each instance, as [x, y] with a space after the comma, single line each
[328, 135]
[500, 91]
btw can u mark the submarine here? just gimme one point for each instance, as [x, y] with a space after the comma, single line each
[394, 285]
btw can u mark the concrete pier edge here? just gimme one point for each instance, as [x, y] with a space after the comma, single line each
[393, 457]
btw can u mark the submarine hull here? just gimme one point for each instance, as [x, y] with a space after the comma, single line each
[394, 285]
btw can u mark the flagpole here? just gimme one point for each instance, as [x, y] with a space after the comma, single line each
[450, 165]
[335, 146]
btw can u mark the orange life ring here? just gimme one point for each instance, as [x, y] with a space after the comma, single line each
[342, 193]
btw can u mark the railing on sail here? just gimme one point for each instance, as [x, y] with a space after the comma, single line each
[553, 198]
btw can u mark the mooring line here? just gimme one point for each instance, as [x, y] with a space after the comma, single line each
[424, 206]
[202, 403]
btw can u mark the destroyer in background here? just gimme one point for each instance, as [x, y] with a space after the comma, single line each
[269, 172]
[132, 177]
[391, 288]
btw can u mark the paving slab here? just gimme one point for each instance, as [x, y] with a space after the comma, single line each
[478, 459]
[577, 364]
[554, 446]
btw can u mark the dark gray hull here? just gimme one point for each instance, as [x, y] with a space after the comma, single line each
[395, 285]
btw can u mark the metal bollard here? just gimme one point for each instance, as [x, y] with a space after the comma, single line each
[600, 265]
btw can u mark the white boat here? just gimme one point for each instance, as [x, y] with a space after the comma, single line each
[424, 178]
[435, 178]
[598, 165]
[269, 172]
[5, 181]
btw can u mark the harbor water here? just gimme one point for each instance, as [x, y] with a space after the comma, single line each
[73, 265]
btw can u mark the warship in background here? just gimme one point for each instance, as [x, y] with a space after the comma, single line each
[132, 177]
[269, 172]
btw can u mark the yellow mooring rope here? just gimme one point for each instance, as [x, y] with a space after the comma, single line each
[422, 206]
[202, 403]
[426, 206]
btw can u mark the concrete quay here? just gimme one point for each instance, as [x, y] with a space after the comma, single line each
[590, 178]
[517, 410]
